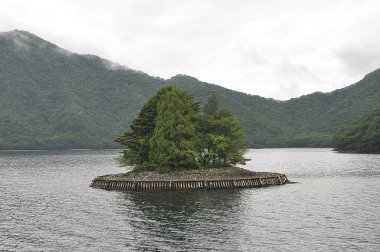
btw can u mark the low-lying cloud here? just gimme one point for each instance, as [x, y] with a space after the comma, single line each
[278, 49]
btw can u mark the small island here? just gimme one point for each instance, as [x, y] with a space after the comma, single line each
[174, 146]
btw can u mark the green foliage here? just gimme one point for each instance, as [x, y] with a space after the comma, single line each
[307, 121]
[53, 99]
[172, 145]
[221, 137]
[362, 136]
[138, 138]
[170, 134]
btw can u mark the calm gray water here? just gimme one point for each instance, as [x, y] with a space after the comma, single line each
[47, 205]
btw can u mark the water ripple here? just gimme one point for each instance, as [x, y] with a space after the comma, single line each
[46, 205]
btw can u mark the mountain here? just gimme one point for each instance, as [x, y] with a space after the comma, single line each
[54, 99]
[362, 136]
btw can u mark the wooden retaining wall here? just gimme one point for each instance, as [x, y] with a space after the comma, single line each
[186, 185]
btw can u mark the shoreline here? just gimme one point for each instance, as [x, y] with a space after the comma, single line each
[210, 178]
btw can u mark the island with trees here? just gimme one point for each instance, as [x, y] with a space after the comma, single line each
[173, 144]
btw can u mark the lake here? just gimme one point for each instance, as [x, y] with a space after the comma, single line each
[47, 205]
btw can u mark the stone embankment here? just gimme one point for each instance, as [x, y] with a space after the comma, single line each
[213, 178]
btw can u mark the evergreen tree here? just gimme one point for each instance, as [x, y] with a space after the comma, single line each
[170, 134]
[138, 138]
[221, 137]
[172, 145]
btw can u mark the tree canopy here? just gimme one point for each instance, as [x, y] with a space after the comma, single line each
[170, 134]
[362, 136]
[221, 137]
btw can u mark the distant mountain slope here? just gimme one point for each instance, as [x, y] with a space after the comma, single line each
[362, 136]
[307, 121]
[52, 99]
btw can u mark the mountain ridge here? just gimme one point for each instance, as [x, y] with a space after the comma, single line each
[52, 98]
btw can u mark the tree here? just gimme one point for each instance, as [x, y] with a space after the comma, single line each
[362, 136]
[172, 145]
[171, 134]
[138, 138]
[221, 137]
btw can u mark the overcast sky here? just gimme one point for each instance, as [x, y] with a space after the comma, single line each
[278, 49]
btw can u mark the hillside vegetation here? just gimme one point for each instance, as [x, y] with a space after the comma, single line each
[363, 136]
[54, 99]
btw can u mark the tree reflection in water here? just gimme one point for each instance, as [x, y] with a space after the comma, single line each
[181, 219]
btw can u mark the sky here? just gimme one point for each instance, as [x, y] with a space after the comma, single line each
[276, 49]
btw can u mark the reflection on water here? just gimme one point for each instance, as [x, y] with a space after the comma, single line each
[46, 204]
[176, 218]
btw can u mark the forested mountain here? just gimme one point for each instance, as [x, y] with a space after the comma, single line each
[363, 136]
[52, 99]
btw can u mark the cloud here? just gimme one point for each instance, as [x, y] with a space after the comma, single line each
[113, 66]
[278, 49]
[21, 41]
[359, 60]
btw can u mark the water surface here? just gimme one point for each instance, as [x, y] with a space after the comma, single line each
[47, 205]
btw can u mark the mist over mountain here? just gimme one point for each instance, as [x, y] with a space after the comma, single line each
[51, 98]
